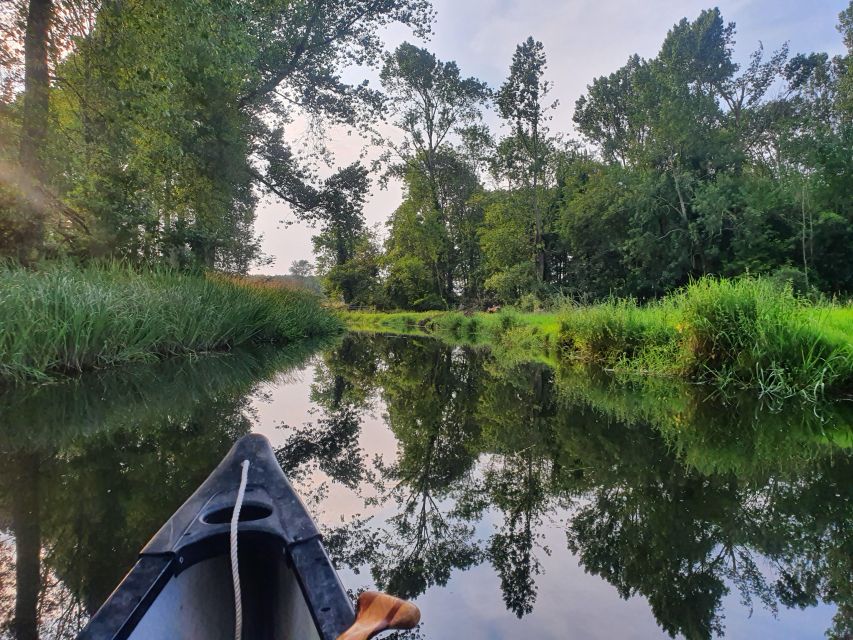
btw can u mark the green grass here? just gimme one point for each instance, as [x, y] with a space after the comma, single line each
[745, 333]
[515, 336]
[63, 319]
[735, 334]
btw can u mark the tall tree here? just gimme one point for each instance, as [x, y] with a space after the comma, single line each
[36, 85]
[609, 115]
[434, 253]
[431, 100]
[433, 105]
[343, 246]
[522, 104]
[301, 268]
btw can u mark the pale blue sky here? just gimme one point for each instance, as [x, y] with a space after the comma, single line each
[583, 39]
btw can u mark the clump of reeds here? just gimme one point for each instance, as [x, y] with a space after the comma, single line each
[750, 332]
[622, 334]
[735, 333]
[64, 318]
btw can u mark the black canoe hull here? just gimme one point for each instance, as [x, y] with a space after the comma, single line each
[181, 584]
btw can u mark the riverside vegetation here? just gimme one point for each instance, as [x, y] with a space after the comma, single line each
[150, 131]
[63, 318]
[746, 333]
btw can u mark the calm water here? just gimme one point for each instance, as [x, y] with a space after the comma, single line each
[508, 500]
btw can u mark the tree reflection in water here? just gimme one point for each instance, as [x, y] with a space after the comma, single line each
[661, 493]
[93, 467]
[653, 495]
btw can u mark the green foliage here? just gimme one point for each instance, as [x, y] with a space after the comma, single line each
[746, 333]
[523, 156]
[505, 239]
[436, 239]
[431, 100]
[356, 281]
[436, 225]
[408, 285]
[732, 334]
[167, 118]
[592, 221]
[64, 319]
[698, 172]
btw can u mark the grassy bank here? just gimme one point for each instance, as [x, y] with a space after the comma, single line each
[516, 336]
[739, 334]
[65, 319]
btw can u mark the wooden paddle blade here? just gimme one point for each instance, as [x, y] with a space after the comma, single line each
[378, 612]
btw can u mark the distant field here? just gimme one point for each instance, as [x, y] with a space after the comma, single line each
[308, 283]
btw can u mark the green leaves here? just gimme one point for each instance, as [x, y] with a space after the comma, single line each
[169, 115]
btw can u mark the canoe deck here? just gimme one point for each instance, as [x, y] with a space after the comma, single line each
[199, 602]
[181, 585]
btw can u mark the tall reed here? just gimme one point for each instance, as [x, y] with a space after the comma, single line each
[63, 318]
[744, 333]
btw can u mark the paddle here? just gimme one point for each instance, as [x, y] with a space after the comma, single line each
[378, 612]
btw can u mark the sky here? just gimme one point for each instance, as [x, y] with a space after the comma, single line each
[583, 39]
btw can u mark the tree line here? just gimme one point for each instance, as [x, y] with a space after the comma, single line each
[150, 130]
[688, 164]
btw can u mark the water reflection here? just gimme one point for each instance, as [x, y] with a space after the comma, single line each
[662, 492]
[515, 471]
[94, 466]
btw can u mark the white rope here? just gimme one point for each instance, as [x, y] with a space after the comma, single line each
[235, 566]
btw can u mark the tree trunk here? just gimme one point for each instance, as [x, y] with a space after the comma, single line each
[36, 83]
[686, 219]
[540, 252]
[805, 261]
[34, 123]
[538, 240]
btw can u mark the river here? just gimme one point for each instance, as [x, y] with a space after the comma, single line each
[508, 499]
